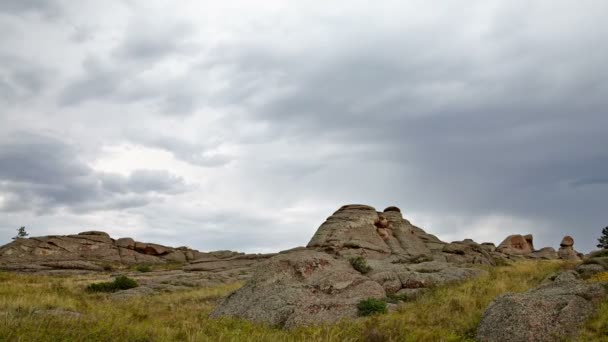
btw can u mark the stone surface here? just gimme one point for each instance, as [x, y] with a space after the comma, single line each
[547, 253]
[566, 250]
[89, 250]
[300, 288]
[567, 241]
[552, 312]
[127, 243]
[516, 245]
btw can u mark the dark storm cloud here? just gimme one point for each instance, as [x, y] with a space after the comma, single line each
[49, 8]
[42, 174]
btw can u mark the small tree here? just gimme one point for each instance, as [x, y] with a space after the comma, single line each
[604, 239]
[21, 234]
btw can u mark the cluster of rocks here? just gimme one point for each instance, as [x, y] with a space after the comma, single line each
[522, 246]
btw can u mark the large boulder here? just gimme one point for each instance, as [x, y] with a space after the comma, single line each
[551, 312]
[516, 245]
[566, 250]
[300, 288]
[356, 229]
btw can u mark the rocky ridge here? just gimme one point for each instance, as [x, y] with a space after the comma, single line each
[95, 251]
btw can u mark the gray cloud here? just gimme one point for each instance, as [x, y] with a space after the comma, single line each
[21, 80]
[43, 174]
[47, 8]
[491, 110]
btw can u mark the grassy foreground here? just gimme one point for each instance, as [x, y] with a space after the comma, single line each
[28, 306]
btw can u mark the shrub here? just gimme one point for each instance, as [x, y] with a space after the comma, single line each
[120, 283]
[371, 306]
[125, 283]
[599, 254]
[360, 264]
[144, 268]
[108, 267]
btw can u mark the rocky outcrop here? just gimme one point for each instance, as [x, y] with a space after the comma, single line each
[359, 230]
[317, 284]
[300, 288]
[566, 250]
[552, 312]
[87, 247]
[522, 246]
[517, 245]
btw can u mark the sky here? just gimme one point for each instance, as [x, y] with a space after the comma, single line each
[243, 125]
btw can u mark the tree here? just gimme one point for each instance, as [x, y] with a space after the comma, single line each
[604, 239]
[21, 234]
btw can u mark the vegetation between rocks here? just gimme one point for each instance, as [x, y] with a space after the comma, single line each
[360, 264]
[443, 314]
[372, 306]
[120, 283]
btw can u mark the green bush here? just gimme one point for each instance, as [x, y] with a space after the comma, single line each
[120, 283]
[360, 264]
[144, 268]
[371, 306]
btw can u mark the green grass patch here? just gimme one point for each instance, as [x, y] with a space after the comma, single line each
[372, 306]
[449, 313]
[120, 283]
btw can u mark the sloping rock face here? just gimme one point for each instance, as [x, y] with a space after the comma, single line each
[300, 288]
[318, 284]
[552, 312]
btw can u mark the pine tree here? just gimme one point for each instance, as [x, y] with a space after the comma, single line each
[21, 234]
[604, 239]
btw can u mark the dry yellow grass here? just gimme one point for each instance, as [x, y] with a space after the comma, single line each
[445, 314]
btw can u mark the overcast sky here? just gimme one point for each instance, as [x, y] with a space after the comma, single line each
[243, 124]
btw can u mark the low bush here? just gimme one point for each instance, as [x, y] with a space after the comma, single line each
[371, 306]
[360, 264]
[144, 268]
[120, 283]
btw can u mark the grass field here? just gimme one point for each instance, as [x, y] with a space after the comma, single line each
[42, 308]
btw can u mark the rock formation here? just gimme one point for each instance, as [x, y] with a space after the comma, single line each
[552, 312]
[359, 230]
[522, 246]
[301, 288]
[566, 249]
[318, 284]
[517, 245]
[94, 250]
